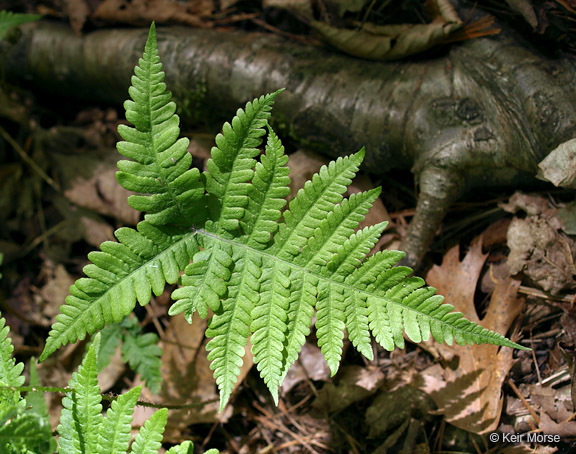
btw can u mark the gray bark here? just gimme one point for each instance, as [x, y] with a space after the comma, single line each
[485, 113]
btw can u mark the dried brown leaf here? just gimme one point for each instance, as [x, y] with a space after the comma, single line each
[468, 388]
[555, 407]
[393, 42]
[89, 181]
[55, 291]
[538, 246]
[310, 365]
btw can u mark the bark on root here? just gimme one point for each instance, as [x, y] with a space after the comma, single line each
[483, 114]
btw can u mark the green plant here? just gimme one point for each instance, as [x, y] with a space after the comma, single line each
[9, 20]
[140, 350]
[24, 423]
[261, 277]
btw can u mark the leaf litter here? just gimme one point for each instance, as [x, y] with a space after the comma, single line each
[467, 383]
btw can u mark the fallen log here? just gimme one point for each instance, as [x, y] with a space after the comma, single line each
[483, 114]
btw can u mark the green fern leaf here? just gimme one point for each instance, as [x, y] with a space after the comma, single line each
[267, 194]
[10, 20]
[229, 330]
[261, 272]
[123, 273]
[313, 203]
[10, 371]
[269, 323]
[232, 165]
[300, 312]
[81, 414]
[25, 433]
[149, 438]
[114, 434]
[144, 355]
[183, 448]
[160, 166]
[22, 430]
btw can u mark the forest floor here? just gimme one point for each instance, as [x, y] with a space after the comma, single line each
[503, 259]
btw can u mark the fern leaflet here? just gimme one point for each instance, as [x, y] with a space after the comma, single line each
[262, 272]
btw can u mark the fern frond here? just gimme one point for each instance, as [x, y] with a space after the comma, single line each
[232, 165]
[300, 312]
[149, 439]
[160, 167]
[267, 194]
[229, 329]
[337, 228]
[330, 323]
[351, 253]
[204, 283]
[313, 203]
[10, 371]
[357, 323]
[125, 272]
[25, 433]
[35, 399]
[260, 272]
[114, 433]
[269, 323]
[144, 355]
[183, 448]
[9, 20]
[81, 413]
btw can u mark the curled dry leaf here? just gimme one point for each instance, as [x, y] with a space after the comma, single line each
[392, 42]
[467, 388]
[538, 246]
[55, 291]
[555, 409]
[559, 167]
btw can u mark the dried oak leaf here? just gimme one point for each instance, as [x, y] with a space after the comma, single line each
[467, 388]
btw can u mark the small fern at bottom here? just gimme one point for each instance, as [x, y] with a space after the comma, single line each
[139, 350]
[25, 426]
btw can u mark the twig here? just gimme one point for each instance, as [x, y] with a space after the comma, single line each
[526, 404]
[535, 361]
[28, 160]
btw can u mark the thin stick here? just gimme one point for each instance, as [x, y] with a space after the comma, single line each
[525, 402]
[28, 160]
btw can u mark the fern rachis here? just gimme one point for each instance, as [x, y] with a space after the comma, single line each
[260, 270]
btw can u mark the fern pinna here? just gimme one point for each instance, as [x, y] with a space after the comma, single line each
[257, 270]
